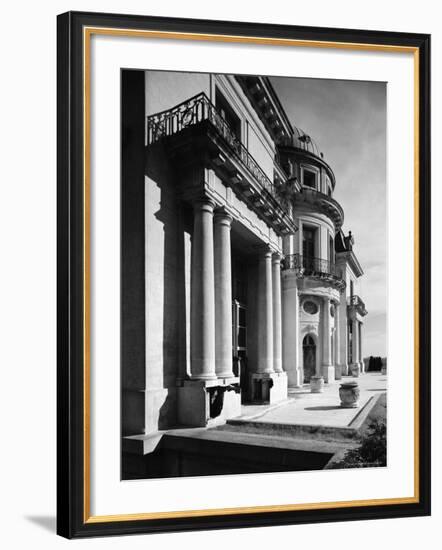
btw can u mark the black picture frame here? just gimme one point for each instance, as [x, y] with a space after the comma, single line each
[72, 516]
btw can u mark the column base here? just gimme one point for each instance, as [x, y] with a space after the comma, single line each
[345, 371]
[338, 372]
[354, 369]
[205, 403]
[328, 372]
[268, 388]
[294, 377]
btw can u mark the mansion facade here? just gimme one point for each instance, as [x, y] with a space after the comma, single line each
[238, 270]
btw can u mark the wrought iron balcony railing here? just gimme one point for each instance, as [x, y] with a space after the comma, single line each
[199, 109]
[357, 302]
[306, 265]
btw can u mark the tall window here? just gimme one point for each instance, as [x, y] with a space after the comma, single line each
[308, 242]
[352, 288]
[228, 114]
[331, 250]
[328, 187]
[309, 179]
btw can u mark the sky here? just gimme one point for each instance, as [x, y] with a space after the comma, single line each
[347, 119]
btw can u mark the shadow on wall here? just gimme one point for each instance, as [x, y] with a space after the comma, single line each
[158, 356]
[166, 230]
[132, 253]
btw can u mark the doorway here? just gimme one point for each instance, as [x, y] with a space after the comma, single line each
[239, 340]
[240, 324]
[309, 356]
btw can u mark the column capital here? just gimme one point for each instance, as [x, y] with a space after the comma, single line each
[222, 216]
[204, 203]
[264, 251]
[276, 257]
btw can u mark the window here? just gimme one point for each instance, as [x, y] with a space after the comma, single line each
[228, 114]
[310, 307]
[328, 186]
[309, 179]
[308, 242]
[331, 250]
[352, 289]
[239, 327]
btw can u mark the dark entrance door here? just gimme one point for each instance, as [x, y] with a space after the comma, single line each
[239, 318]
[308, 243]
[309, 354]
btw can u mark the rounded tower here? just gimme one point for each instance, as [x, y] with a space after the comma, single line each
[312, 283]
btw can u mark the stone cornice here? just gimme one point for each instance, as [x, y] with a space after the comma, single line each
[350, 257]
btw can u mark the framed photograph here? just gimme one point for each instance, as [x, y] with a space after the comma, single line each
[243, 274]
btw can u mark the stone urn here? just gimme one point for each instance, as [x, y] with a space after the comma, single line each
[317, 384]
[349, 393]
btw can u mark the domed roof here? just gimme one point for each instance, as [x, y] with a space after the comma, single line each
[303, 141]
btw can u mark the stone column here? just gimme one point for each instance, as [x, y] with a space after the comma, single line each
[327, 365]
[223, 295]
[288, 244]
[326, 347]
[265, 313]
[300, 237]
[338, 368]
[277, 320]
[290, 328]
[343, 332]
[202, 316]
[355, 344]
[361, 362]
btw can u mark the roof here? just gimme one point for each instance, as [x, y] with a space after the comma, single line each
[302, 140]
[266, 103]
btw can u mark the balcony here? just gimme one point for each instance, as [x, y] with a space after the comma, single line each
[326, 204]
[357, 303]
[198, 119]
[306, 266]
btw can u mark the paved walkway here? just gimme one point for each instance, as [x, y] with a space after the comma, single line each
[317, 409]
[302, 417]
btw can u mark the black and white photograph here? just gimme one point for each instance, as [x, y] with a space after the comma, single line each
[221, 253]
[253, 274]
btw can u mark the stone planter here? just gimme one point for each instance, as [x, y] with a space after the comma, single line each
[317, 384]
[349, 393]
